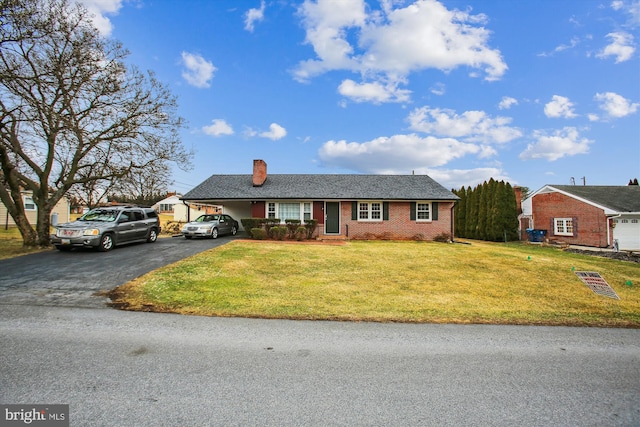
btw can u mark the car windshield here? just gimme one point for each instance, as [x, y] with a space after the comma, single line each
[104, 215]
[207, 218]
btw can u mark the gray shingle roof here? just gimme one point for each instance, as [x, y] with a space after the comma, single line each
[321, 187]
[618, 198]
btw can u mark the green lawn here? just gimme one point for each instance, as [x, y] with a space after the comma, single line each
[391, 282]
[11, 244]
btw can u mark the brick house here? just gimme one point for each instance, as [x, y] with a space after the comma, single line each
[592, 215]
[353, 206]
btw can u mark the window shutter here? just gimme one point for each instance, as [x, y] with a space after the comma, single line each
[412, 209]
[434, 213]
[385, 211]
[552, 229]
[354, 211]
[575, 226]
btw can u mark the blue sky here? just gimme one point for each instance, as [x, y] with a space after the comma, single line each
[534, 92]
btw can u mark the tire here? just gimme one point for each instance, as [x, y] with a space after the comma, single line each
[153, 235]
[214, 233]
[106, 243]
[188, 237]
[234, 230]
[63, 248]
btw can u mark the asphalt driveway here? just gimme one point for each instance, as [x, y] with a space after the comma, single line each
[80, 277]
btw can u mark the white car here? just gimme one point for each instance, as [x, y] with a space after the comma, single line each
[210, 226]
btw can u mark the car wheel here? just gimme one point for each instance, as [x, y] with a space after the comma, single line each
[153, 235]
[106, 243]
[214, 233]
[188, 237]
[63, 248]
[234, 230]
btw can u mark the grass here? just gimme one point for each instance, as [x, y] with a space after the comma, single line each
[11, 244]
[391, 282]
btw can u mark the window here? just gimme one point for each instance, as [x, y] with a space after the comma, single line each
[288, 211]
[423, 212]
[369, 211]
[307, 211]
[283, 211]
[563, 226]
[634, 221]
[29, 204]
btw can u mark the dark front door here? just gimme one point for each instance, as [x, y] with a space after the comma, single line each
[332, 218]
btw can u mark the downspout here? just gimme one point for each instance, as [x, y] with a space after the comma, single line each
[184, 202]
[453, 226]
[609, 241]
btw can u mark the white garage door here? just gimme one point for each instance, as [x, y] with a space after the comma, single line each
[627, 232]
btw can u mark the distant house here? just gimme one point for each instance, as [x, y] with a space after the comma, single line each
[60, 213]
[172, 205]
[354, 206]
[591, 215]
[166, 205]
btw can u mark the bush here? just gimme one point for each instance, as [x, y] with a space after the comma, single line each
[269, 223]
[301, 233]
[258, 233]
[310, 226]
[251, 223]
[278, 233]
[443, 238]
[292, 226]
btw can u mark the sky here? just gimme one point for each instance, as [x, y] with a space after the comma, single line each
[532, 92]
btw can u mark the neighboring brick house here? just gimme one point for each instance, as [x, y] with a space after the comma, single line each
[353, 206]
[591, 215]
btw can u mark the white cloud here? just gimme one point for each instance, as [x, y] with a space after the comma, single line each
[386, 155]
[218, 127]
[507, 102]
[438, 89]
[100, 9]
[472, 126]
[458, 178]
[616, 106]
[387, 45]
[621, 47]
[252, 16]
[275, 132]
[198, 71]
[558, 144]
[374, 92]
[559, 106]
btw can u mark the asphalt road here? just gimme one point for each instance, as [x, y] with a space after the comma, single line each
[60, 344]
[119, 368]
[76, 278]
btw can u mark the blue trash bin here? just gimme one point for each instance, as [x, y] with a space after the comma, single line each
[538, 235]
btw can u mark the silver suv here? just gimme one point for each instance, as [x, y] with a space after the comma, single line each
[106, 227]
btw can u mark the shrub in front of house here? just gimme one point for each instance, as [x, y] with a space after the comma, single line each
[259, 233]
[292, 225]
[443, 238]
[251, 223]
[310, 226]
[278, 233]
[301, 233]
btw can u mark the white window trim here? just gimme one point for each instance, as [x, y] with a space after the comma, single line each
[564, 226]
[424, 202]
[30, 202]
[369, 211]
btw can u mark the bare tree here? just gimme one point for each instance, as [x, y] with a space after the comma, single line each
[71, 112]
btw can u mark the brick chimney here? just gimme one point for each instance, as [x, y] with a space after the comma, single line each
[259, 172]
[518, 191]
